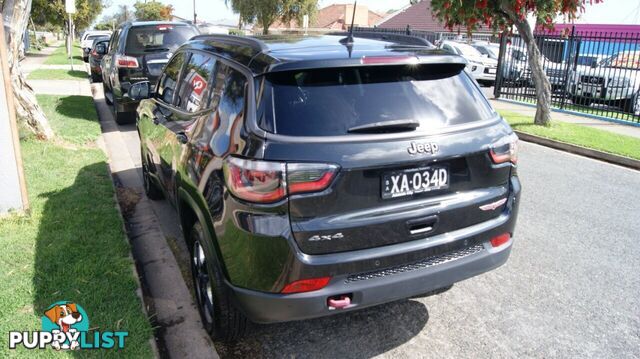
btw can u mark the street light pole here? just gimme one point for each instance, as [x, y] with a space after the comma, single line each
[195, 17]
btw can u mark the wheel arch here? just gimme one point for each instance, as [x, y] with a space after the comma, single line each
[190, 212]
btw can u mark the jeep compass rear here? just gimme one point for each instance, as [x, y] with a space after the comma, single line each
[320, 178]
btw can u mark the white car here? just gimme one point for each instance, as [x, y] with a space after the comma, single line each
[86, 41]
[480, 67]
[614, 81]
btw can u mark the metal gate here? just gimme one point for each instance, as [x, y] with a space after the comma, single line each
[596, 73]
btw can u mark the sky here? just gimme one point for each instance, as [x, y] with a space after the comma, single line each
[609, 12]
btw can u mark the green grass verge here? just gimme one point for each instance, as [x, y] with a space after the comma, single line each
[73, 118]
[59, 56]
[577, 135]
[71, 246]
[48, 74]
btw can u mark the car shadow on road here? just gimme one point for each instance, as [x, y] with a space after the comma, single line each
[363, 334]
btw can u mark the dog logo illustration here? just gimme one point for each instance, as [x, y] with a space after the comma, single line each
[68, 318]
[65, 326]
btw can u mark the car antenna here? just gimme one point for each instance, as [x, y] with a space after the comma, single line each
[348, 41]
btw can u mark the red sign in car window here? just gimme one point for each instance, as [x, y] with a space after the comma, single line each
[198, 84]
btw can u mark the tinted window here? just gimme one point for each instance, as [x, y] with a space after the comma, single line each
[328, 102]
[169, 78]
[193, 86]
[114, 40]
[145, 39]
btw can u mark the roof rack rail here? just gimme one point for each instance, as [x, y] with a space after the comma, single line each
[253, 43]
[398, 38]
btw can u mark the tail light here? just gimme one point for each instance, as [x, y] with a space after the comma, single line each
[268, 182]
[505, 150]
[306, 177]
[127, 62]
[306, 285]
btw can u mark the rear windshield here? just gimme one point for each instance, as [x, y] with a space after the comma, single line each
[145, 39]
[93, 37]
[329, 102]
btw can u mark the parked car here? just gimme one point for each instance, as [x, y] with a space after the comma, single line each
[313, 175]
[98, 50]
[513, 72]
[481, 67]
[86, 41]
[137, 52]
[614, 82]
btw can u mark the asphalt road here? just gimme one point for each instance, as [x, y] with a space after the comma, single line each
[570, 289]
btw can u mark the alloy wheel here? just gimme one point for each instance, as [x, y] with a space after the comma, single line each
[202, 282]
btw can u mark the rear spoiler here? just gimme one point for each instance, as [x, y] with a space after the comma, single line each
[435, 57]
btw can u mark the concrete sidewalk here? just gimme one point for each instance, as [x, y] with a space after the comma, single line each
[617, 128]
[61, 87]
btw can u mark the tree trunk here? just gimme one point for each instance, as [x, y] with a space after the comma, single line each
[540, 79]
[30, 115]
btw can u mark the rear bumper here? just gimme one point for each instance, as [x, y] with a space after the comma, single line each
[469, 254]
[270, 308]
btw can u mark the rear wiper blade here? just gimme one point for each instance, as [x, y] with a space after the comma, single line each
[150, 49]
[391, 125]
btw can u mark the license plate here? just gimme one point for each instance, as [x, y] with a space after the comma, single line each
[492, 71]
[413, 181]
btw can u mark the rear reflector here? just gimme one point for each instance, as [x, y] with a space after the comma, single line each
[497, 241]
[306, 285]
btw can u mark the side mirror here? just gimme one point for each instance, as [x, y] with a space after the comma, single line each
[101, 49]
[140, 91]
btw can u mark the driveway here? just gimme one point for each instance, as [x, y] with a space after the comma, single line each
[570, 289]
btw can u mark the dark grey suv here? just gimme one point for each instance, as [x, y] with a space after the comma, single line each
[316, 175]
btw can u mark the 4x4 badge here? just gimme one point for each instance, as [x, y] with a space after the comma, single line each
[419, 148]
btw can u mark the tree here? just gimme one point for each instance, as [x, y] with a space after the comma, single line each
[152, 10]
[123, 14]
[502, 15]
[53, 12]
[266, 12]
[30, 116]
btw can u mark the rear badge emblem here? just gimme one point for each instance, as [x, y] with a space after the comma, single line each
[328, 237]
[420, 148]
[494, 205]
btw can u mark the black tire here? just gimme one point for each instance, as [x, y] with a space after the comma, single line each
[222, 320]
[85, 58]
[433, 292]
[122, 118]
[105, 90]
[581, 101]
[152, 191]
[632, 105]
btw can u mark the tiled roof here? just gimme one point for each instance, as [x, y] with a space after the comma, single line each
[418, 16]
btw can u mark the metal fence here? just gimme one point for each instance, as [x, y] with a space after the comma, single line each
[590, 72]
[431, 36]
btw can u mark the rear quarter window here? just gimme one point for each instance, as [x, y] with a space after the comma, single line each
[328, 102]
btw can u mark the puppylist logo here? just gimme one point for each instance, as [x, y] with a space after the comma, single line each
[65, 326]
